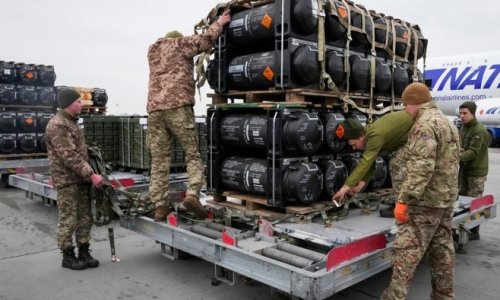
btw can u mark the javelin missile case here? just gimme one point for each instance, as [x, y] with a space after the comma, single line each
[276, 46]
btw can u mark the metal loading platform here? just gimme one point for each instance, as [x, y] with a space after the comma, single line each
[303, 260]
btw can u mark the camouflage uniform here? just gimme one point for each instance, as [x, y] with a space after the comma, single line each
[429, 189]
[170, 108]
[68, 159]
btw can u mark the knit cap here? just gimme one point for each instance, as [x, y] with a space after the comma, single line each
[66, 96]
[416, 93]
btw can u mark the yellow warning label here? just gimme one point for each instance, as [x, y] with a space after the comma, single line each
[267, 21]
[268, 73]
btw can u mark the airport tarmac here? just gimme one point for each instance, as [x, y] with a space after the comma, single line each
[30, 263]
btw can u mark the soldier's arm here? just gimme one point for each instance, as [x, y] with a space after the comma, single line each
[366, 166]
[196, 44]
[420, 165]
[476, 140]
[67, 152]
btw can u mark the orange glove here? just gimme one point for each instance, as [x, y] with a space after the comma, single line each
[401, 212]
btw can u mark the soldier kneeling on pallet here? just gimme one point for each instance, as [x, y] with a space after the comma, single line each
[389, 133]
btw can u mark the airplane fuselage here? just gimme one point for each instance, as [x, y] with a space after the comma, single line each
[460, 78]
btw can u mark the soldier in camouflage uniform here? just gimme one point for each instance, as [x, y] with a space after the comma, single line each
[170, 109]
[425, 207]
[473, 158]
[389, 133]
[72, 177]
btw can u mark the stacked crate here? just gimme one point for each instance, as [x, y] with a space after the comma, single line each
[123, 141]
[334, 60]
[27, 102]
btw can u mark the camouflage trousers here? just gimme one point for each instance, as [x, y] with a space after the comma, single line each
[163, 128]
[75, 215]
[397, 170]
[428, 229]
[472, 186]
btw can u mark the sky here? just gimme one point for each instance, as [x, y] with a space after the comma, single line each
[104, 43]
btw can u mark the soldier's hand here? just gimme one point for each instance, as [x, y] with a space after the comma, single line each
[339, 196]
[401, 212]
[97, 180]
[224, 18]
[358, 188]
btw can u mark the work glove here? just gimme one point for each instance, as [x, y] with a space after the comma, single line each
[401, 212]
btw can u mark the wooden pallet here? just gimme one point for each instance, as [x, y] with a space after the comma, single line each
[305, 96]
[27, 108]
[21, 155]
[94, 110]
[258, 205]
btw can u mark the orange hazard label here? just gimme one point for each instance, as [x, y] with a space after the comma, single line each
[267, 21]
[268, 73]
[405, 36]
[29, 75]
[342, 11]
[340, 131]
[29, 121]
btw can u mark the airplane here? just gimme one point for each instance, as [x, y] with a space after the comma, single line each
[468, 77]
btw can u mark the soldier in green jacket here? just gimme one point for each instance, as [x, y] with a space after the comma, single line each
[389, 133]
[473, 157]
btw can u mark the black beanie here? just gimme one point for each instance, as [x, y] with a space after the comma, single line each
[66, 96]
[353, 129]
[470, 105]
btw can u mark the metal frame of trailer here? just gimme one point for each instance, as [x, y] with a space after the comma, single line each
[360, 245]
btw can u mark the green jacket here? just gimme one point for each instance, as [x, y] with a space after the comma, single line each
[388, 133]
[474, 149]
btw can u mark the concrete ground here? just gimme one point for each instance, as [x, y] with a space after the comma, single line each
[30, 264]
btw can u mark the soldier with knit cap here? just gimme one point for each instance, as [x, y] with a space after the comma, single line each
[473, 158]
[424, 211]
[389, 133]
[72, 176]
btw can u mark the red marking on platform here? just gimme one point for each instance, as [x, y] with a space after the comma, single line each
[228, 238]
[346, 252]
[479, 203]
[20, 171]
[125, 182]
[172, 220]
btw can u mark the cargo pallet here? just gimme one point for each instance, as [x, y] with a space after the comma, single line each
[242, 203]
[306, 97]
[320, 260]
[351, 249]
[94, 110]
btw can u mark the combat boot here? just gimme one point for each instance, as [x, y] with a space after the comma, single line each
[70, 261]
[387, 212]
[192, 203]
[85, 257]
[161, 212]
